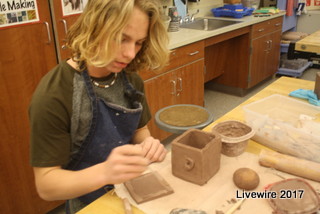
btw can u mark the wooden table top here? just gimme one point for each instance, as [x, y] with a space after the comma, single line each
[217, 193]
[310, 43]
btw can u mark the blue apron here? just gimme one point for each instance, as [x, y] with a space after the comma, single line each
[111, 126]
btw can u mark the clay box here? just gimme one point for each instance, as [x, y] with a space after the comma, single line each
[196, 156]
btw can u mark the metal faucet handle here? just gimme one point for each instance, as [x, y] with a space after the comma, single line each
[192, 15]
[187, 19]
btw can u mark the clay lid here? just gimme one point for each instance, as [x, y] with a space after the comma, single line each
[180, 117]
[184, 115]
[233, 131]
[298, 197]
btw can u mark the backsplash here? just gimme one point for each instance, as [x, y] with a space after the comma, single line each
[204, 6]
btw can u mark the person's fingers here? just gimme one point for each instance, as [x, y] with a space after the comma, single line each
[146, 145]
[121, 156]
[162, 156]
[133, 160]
[127, 168]
[151, 148]
[159, 154]
[125, 177]
[129, 149]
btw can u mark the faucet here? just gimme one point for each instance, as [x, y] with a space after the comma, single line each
[190, 18]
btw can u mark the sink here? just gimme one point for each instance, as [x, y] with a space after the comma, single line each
[208, 24]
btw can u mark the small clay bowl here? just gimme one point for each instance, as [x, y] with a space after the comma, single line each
[234, 136]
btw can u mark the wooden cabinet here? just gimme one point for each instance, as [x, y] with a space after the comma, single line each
[61, 25]
[265, 54]
[27, 53]
[227, 58]
[190, 83]
[240, 59]
[181, 82]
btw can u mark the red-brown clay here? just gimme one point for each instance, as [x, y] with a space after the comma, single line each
[196, 156]
[234, 135]
[148, 187]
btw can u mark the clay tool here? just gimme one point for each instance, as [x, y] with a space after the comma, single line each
[235, 206]
[186, 211]
[127, 206]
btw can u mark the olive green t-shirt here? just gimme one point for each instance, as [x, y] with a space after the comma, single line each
[59, 122]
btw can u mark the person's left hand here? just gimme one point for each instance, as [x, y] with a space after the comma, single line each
[154, 150]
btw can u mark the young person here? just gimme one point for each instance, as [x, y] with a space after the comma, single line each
[89, 115]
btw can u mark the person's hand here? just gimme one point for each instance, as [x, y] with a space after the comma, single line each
[154, 151]
[124, 163]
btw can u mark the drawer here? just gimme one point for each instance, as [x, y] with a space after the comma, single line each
[185, 55]
[178, 57]
[266, 27]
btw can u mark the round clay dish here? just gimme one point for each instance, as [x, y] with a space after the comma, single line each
[234, 136]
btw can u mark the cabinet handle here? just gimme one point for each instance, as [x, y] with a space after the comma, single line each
[261, 29]
[270, 45]
[65, 26]
[48, 32]
[174, 92]
[193, 53]
[180, 84]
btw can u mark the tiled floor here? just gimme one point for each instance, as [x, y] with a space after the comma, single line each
[220, 103]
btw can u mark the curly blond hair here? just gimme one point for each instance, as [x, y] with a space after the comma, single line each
[103, 21]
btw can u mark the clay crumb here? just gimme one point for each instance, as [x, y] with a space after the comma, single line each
[233, 200]
[219, 212]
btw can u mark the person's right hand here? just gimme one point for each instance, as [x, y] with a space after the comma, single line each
[124, 163]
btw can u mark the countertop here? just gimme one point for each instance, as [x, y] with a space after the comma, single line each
[186, 36]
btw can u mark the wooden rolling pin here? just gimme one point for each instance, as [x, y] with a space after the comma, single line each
[292, 165]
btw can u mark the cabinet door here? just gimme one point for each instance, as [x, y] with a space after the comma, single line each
[62, 24]
[274, 53]
[27, 52]
[190, 83]
[182, 86]
[160, 92]
[259, 66]
[265, 57]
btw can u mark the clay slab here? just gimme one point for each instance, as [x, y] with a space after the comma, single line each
[147, 187]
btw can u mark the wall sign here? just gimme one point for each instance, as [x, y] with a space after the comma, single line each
[313, 4]
[71, 7]
[16, 12]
